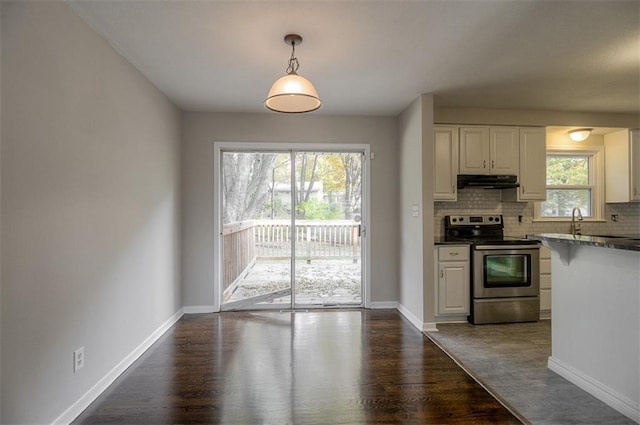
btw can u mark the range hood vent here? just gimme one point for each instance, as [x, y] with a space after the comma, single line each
[487, 182]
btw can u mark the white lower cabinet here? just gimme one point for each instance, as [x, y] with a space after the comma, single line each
[452, 289]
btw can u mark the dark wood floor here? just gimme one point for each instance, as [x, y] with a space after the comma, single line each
[359, 366]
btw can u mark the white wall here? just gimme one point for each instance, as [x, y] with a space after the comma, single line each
[90, 209]
[595, 331]
[415, 135]
[200, 130]
[429, 283]
[411, 255]
[0, 225]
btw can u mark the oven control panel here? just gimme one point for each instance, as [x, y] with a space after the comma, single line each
[474, 219]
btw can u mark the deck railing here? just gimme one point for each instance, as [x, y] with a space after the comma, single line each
[246, 241]
[314, 239]
[239, 250]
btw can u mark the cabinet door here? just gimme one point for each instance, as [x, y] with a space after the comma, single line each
[474, 150]
[453, 288]
[533, 165]
[504, 150]
[622, 166]
[635, 165]
[445, 170]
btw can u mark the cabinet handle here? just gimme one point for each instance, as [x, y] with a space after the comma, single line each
[522, 189]
[453, 253]
[484, 164]
[442, 273]
[493, 164]
[635, 191]
[453, 188]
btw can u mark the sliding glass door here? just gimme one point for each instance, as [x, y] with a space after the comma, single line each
[292, 228]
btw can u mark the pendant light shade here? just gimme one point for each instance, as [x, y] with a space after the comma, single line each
[293, 93]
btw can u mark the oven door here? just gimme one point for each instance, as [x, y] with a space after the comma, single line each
[506, 271]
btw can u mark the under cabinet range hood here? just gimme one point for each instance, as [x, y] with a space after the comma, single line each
[487, 181]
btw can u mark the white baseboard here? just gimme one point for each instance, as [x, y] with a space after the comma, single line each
[600, 391]
[83, 402]
[430, 327]
[452, 319]
[199, 309]
[384, 304]
[410, 316]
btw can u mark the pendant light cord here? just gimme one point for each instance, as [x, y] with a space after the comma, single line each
[293, 66]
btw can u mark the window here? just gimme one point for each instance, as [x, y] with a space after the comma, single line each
[574, 179]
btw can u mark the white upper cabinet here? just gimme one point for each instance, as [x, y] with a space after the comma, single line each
[489, 150]
[622, 166]
[533, 166]
[445, 170]
[504, 150]
[474, 150]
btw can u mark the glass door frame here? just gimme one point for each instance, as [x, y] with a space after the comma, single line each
[291, 148]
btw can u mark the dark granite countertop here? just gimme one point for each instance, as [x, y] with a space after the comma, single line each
[630, 243]
[442, 241]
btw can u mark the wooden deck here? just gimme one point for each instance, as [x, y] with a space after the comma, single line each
[321, 282]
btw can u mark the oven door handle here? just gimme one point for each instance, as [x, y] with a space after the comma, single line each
[505, 247]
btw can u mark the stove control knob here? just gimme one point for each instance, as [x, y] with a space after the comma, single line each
[461, 219]
[453, 220]
[490, 218]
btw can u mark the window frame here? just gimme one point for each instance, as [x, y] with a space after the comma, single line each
[596, 173]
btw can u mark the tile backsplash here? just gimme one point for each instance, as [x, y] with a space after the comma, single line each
[474, 200]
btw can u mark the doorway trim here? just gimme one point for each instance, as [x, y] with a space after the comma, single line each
[219, 146]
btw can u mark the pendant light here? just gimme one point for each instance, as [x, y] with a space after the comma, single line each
[580, 134]
[293, 93]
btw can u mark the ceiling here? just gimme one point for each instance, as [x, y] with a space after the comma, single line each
[375, 57]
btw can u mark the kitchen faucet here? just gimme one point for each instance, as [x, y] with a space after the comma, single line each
[575, 227]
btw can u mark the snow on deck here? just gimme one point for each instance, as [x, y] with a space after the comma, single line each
[320, 282]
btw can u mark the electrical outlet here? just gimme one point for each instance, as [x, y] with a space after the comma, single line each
[614, 218]
[78, 359]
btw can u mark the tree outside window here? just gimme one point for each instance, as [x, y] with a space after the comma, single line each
[570, 184]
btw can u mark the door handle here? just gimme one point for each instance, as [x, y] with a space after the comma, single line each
[359, 230]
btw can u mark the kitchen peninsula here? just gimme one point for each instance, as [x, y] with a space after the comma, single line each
[595, 330]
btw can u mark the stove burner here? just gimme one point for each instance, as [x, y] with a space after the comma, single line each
[480, 229]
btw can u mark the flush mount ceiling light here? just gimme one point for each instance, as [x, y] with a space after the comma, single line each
[580, 134]
[293, 93]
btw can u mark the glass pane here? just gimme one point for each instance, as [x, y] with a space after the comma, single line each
[328, 266]
[506, 270]
[256, 241]
[567, 170]
[561, 202]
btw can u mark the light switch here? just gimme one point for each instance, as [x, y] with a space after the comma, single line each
[415, 210]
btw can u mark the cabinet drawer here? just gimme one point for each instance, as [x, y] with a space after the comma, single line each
[453, 253]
